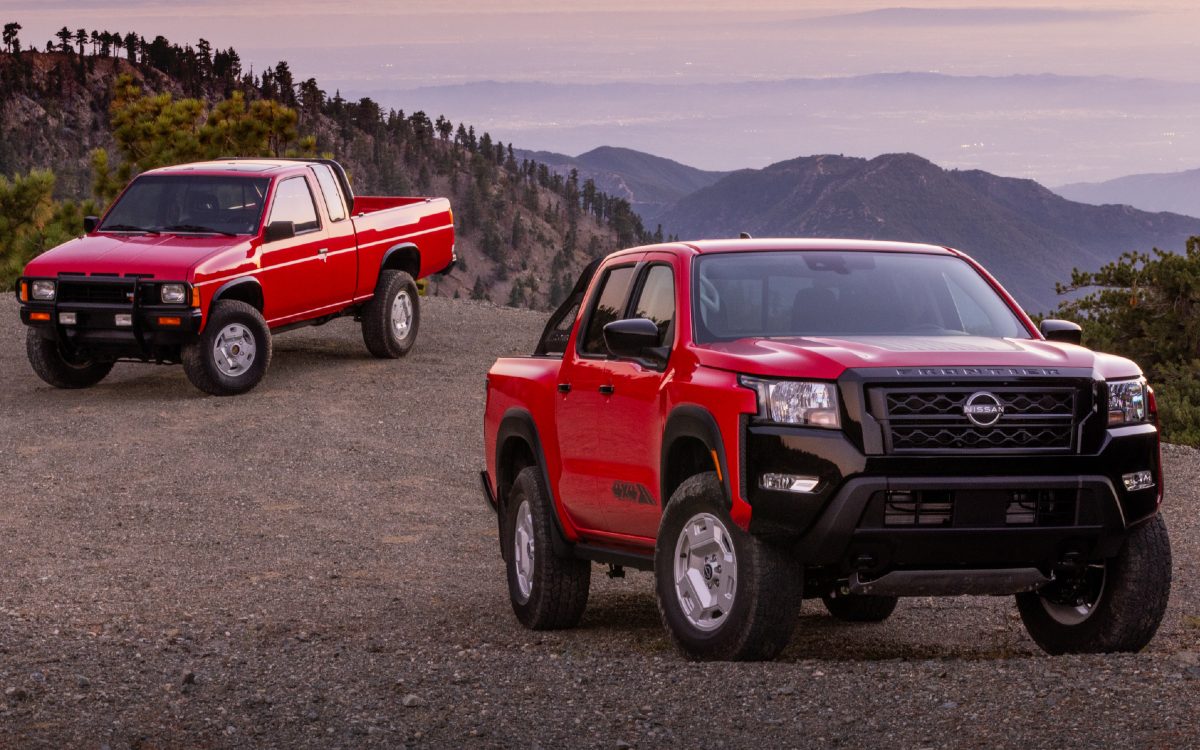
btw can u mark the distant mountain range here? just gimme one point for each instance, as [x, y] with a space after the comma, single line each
[1169, 191]
[650, 183]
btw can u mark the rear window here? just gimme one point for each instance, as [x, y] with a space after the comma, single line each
[828, 293]
[332, 192]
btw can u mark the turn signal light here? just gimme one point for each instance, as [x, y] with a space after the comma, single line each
[170, 321]
[43, 316]
[195, 297]
[24, 291]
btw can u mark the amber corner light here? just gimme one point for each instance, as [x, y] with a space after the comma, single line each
[40, 316]
[195, 297]
[24, 291]
[170, 321]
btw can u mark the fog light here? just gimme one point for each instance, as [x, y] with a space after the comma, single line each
[67, 319]
[123, 319]
[787, 483]
[1138, 480]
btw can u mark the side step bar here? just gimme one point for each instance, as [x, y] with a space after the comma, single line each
[983, 582]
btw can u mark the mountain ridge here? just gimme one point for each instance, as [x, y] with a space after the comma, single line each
[1177, 192]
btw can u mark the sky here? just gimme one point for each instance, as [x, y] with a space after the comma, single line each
[391, 50]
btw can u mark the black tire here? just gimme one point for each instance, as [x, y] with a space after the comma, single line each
[861, 607]
[767, 588]
[53, 365]
[383, 333]
[1132, 597]
[222, 379]
[558, 587]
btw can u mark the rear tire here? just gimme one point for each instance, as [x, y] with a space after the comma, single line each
[548, 592]
[53, 366]
[1117, 606]
[723, 593]
[391, 318]
[233, 352]
[861, 607]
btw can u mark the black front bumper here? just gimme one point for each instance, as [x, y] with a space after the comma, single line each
[95, 333]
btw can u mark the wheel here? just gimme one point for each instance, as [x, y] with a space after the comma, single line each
[722, 593]
[59, 369]
[232, 353]
[1115, 605]
[391, 318]
[861, 607]
[548, 592]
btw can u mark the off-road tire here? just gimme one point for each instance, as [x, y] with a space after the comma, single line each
[559, 590]
[861, 607]
[767, 592]
[1132, 602]
[380, 333]
[199, 359]
[53, 366]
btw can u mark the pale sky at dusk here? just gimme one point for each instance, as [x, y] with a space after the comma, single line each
[382, 49]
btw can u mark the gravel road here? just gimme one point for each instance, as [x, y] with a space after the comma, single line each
[312, 565]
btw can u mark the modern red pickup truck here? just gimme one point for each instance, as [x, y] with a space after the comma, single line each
[762, 421]
[203, 263]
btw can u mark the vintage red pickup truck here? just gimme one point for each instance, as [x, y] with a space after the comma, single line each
[202, 263]
[764, 421]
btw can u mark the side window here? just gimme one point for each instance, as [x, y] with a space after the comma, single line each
[558, 332]
[656, 301]
[332, 191]
[294, 203]
[608, 306]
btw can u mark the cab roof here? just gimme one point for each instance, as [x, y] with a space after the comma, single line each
[263, 167]
[703, 247]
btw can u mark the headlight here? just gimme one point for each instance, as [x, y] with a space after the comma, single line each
[796, 402]
[173, 294]
[42, 290]
[1127, 402]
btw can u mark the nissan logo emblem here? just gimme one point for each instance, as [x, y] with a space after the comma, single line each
[983, 409]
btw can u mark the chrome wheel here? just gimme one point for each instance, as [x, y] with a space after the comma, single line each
[402, 314]
[1072, 602]
[705, 571]
[523, 551]
[234, 350]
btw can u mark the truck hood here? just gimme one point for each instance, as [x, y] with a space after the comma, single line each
[165, 256]
[827, 358]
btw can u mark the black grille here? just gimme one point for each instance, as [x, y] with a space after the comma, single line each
[935, 420]
[102, 292]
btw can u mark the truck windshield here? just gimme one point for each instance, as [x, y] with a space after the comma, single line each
[187, 204]
[830, 293]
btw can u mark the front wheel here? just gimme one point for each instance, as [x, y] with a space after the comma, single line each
[723, 594]
[231, 355]
[1114, 605]
[57, 368]
[391, 318]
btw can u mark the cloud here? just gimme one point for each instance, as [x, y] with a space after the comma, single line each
[966, 17]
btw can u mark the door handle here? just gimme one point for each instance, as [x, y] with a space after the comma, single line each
[323, 254]
[564, 387]
[608, 390]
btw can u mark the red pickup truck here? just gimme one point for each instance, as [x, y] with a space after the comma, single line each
[763, 421]
[202, 263]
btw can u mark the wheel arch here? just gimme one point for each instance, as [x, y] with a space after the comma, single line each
[403, 257]
[519, 446]
[691, 440]
[245, 289]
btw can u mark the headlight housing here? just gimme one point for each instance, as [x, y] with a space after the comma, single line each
[173, 294]
[43, 290]
[796, 402]
[1128, 402]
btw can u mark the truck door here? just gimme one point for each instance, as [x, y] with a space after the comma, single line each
[292, 268]
[341, 257]
[633, 436]
[582, 411]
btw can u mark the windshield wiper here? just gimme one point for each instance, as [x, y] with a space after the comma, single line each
[127, 228]
[196, 229]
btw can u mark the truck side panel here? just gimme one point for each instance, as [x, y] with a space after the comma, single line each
[385, 223]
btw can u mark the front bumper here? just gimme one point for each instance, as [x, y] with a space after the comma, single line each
[95, 332]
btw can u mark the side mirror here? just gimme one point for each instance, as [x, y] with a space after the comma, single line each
[90, 223]
[632, 337]
[279, 230]
[1063, 331]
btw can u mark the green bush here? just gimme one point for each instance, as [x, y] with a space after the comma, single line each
[31, 221]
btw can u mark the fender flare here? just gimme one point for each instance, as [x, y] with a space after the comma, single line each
[693, 421]
[519, 423]
[241, 281]
[402, 248]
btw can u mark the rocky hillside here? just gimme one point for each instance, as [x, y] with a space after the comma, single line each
[1028, 236]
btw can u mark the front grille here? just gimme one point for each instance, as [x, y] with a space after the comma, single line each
[935, 420]
[101, 292]
[975, 508]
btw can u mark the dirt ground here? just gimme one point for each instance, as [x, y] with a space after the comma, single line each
[313, 565]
